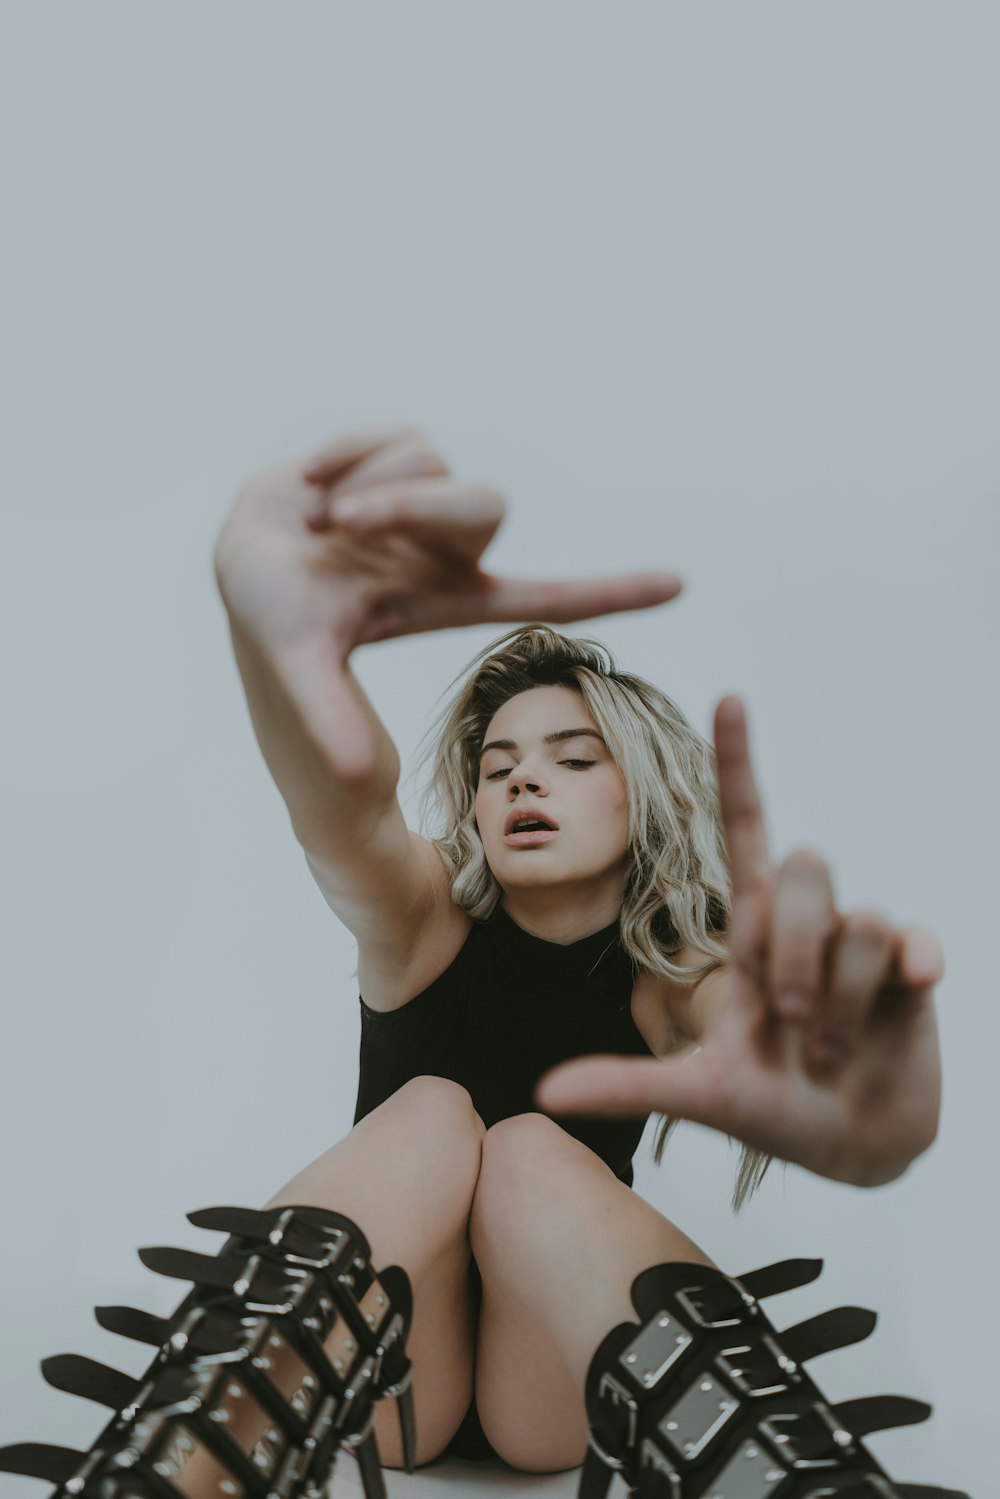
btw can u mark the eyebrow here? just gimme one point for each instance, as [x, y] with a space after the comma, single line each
[511, 744]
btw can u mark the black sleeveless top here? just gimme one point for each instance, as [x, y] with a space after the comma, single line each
[509, 1007]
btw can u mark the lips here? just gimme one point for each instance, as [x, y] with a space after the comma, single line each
[527, 814]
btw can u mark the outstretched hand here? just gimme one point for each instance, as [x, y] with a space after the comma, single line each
[821, 1044]
[371, 539]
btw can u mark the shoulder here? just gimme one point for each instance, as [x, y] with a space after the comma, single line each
[676, 1015]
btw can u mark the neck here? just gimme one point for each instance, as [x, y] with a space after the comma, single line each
[555, 920]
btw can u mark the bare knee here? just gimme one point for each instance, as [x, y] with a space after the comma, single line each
[529, 1162]
[436, 1106]
[434, 1125]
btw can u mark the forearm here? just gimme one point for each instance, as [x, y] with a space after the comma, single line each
[294, 720]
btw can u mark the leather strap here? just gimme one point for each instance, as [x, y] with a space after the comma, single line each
[85, 1376]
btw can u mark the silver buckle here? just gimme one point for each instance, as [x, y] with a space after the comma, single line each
[781, 1362]
[785, 1441]
[688, 1299]
[621, 1396]
[609, 1462]
[650, 1456]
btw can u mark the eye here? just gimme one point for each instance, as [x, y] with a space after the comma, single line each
[506, 770]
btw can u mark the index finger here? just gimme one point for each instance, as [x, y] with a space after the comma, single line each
[742, 812]
[348, 450]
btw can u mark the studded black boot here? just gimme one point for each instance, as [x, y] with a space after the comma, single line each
[270, 1365]
[704, 1399]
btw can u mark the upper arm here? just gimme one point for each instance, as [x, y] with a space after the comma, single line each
[696, 1011]
[384, 884]
[710, 998]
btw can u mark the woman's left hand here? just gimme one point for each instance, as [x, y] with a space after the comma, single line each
[820, 1042]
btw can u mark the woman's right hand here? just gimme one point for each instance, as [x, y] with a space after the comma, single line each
[370, 539]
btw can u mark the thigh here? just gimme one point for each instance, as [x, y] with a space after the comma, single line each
[524, 1386]
[406, 1174]
[559, 1240]
[441, 1349]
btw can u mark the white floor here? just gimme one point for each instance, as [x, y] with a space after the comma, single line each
[451, 1476]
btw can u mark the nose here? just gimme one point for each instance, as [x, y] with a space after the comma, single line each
[529, 780]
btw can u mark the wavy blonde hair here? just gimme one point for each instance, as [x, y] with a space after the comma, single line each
[677, 890]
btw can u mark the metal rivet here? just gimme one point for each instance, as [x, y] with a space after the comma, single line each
[380, 1301]
[234, 1390]
[706, 1384]
[275, 1342]
[308, 1381]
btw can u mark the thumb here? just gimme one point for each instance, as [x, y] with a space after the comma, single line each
[623, 1089]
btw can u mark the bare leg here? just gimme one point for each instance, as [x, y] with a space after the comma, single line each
[558, 1240]
[406, 1174]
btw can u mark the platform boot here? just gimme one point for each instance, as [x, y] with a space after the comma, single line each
[271, 1364]
[704, 1399]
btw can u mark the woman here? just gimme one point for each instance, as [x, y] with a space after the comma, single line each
[487, 956]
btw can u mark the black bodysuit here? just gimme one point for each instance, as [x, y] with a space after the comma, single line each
[509, 1007]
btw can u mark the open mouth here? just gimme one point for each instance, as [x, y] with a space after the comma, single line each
[536, 833]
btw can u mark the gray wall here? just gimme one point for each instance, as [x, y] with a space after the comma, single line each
[708, 287]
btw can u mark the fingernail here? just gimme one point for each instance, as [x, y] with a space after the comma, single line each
[793, 1003]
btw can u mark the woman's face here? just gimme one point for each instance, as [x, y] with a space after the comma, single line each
[571, 780]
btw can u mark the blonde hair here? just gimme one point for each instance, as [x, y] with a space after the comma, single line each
[677, 891]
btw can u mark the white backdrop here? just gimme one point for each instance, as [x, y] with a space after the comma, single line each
[710, 288]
